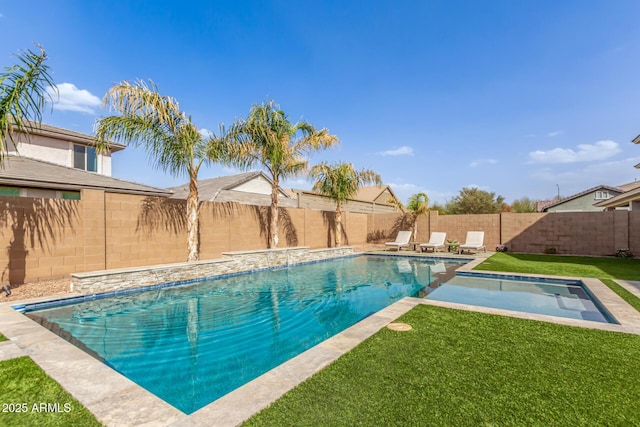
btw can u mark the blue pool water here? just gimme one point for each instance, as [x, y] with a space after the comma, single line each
[192, 344]
[550, 297]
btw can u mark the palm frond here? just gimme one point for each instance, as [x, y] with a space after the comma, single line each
[23, 95]
[418, 204]
[341, 181]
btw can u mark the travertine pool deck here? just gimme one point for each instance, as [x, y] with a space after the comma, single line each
[117, 401]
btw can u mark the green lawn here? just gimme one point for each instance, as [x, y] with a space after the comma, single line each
[604, 269]
[459, 368]
[29, 397]
[578, 266]
[2, 338]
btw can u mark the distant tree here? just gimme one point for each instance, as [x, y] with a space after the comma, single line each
[341, 182]
[441, 209]
[156, 122]
[23, 94]
[524, 205]
[268, 139]
[472, 200]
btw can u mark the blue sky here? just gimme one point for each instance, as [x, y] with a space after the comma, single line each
[517, 98]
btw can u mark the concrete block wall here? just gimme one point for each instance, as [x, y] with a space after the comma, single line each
[576, 233]
[51, 238]
[41, 238]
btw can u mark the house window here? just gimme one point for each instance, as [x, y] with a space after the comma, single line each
[85, 158]
[602, 195]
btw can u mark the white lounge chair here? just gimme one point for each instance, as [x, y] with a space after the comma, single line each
[402, 240]
[475, 242]
[435, 241]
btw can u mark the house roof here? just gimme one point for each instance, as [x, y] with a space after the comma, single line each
[582, 193]
[221, 189]
[636, 140]
[541, 204]
[68, 135]
[629, 186]
[620, 200]
[371, 193]
[27, 172]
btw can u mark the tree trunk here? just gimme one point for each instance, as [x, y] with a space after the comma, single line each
[273, 243]
[338, 225]
[193, 242]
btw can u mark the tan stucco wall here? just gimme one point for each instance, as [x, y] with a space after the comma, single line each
[53, 150]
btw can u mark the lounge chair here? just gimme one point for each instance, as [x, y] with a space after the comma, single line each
[435, 241]
[475, 242]
[402, 240]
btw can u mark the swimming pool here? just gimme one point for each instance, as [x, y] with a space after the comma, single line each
[564, 298]
[192, 344]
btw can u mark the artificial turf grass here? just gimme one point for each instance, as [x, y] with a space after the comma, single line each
[605, 269]
[561, 265]
[24, 382]
[458, 368]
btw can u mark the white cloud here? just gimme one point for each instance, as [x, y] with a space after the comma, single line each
[586, 153]
[480, 162]
[206, 133]
[402, 151]
[70, 98]
[555, 133]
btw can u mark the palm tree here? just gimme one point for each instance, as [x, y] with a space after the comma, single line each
[167, 134]
[341, 182]
[417, 206]
[268, 139]
[23, 93]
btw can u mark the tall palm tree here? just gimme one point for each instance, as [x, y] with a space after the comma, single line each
[268, 139]
[417, 206]
[23, 93]
[146, 118]
[340, 181]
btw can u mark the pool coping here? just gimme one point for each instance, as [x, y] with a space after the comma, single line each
[116, 400]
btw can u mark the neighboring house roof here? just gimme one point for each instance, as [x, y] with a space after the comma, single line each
[66, 134]
[371, 193]
[222, 189]
[629, 186]
[621, 199]
[27, 172]
[541, 204]
[582, 193]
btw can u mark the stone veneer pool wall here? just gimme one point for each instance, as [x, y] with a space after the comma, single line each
[232, 262]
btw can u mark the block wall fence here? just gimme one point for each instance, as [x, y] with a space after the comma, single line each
[52, 238]
[575, 233]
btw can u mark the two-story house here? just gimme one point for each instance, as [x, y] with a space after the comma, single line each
[52, 162]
